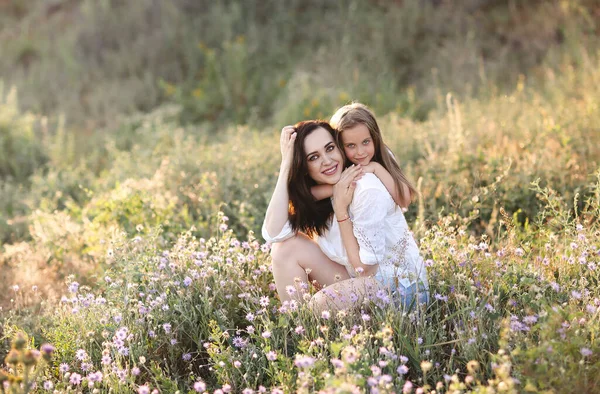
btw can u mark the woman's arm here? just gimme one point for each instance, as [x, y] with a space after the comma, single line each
[386, 178]
[277, 211]
[343, 193]
[321, 192]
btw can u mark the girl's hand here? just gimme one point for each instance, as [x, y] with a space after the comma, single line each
[343, 191]
[286, 144]
[371, 167]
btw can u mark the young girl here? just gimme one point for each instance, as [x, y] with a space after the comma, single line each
[360, 136]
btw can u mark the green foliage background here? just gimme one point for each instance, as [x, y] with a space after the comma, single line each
[120, 117]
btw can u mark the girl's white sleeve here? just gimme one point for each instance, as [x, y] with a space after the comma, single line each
[285, 233]
[369, 214]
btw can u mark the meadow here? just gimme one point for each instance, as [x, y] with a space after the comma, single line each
[139, 145]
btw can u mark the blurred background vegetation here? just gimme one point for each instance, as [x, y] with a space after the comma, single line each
[124, 115]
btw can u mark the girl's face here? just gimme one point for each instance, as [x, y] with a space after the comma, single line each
[358, 144]
[323, 158]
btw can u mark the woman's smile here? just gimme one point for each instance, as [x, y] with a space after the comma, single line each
[330, 171]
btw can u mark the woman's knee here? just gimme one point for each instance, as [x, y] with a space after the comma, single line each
[283, 252]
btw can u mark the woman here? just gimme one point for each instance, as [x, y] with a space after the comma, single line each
[355, 245]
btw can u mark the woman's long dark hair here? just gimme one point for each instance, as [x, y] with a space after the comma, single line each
[305, 213]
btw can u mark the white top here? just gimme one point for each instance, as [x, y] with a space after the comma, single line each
[381, 231]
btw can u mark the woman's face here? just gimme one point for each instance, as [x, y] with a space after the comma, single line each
[323, 158]
[358, 144]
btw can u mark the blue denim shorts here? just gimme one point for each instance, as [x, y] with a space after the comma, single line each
[406, 297]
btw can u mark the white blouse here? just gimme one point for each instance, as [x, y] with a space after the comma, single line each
[381, 231]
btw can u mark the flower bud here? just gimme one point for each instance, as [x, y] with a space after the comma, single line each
[29, 358]
[12, 357]
[19, 342]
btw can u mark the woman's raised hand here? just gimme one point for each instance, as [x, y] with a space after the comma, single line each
[343, 191]
[286, 143]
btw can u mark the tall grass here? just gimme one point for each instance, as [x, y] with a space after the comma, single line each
[261, 61]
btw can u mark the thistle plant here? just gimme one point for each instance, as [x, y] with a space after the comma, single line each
[24, 366]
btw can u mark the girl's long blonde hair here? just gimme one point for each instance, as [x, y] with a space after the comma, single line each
[356, 113]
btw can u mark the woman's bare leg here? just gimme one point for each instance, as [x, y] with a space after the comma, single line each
[295, 256]
[347, 294]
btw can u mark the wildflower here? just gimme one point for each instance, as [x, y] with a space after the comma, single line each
[143, 389]
[420, 341]
[473, 366]
[199, 386]
[426, 366]
[375, 370]
[590, 308]
[530, 320]
[337, 363]
[173, 341]
[15, 288]
[266, 334]
[64, 367]
[237, 364]
[290, 290]
[48, 385]
[585, 352]
[407, 388]
[95, 377]
[135, 371]
[239, 342]
[403, 359]
[106, 360]
[440, 297]
[271, 356]
[47, 350]
[402, 370]
[519, 252]
[264, 301]
[250, 316]
[73, 287]
[151, 334]
[325, 315]
[75, 379]
[576, 295]
[349, 354]
[187, 281]
[304, 361]
[299, 330]
[167, 327]
[186, 357]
